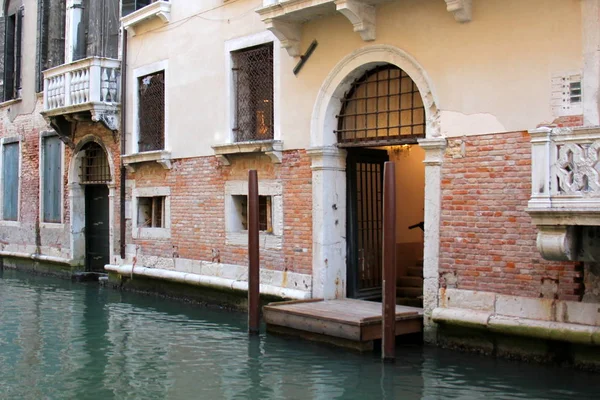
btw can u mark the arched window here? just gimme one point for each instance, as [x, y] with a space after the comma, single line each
[94, 168]
[383, 107]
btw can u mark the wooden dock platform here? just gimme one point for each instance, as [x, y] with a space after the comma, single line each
[348, 322]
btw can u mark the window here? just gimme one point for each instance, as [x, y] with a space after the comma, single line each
[10, 181]
[270, 213]
[383, 107]
[253, 84]
[151, 216]
[130, 6]
[12, 50]
[94, 168]
[151, 112]
[265, 213]
[150, 212]
[52, 176]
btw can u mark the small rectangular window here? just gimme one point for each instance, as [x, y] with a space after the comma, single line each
[265, 213]
[253, 85]
[52, 174]
[10, 181]
[151, 211]
[151, 112]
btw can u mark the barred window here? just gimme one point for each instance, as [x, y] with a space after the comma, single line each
[253, 85]
[94, 165]
[383, 107]
[151, 112]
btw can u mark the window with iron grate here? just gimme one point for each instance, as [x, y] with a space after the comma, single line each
[151, 112]
[265, 213]
[94, 168]
[383, 107]
[253, 85]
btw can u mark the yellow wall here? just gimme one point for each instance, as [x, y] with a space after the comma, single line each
[489, 75]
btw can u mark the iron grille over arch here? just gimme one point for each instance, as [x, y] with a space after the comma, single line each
[383, 107]
[94, 168]
[253, 83]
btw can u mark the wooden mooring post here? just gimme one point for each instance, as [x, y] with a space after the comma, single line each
[253, 255]
[388, 326]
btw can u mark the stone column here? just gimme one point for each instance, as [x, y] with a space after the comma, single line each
[77, 216]
[434, 156]
[329, 221]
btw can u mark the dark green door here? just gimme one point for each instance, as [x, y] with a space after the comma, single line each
[96, 227]
[364, 172]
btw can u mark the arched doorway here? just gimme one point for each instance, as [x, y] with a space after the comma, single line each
[91, 188]
[381, 118]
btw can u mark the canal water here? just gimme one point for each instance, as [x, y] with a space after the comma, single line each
[63, 340]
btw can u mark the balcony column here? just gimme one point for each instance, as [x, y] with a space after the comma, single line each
[540, 168]
[74, 32]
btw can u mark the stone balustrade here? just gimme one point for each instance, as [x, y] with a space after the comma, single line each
[82, 85]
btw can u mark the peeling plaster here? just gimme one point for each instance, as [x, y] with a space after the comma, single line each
[458, 124]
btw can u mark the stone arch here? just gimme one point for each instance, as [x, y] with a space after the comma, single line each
[354, 66]
[329, 175]
[77, 200]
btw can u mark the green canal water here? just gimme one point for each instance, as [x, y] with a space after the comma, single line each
[63, 340]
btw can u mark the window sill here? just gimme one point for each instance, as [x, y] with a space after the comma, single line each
[158, 10]
[52, 225]
[15, 224]
[11, 102]
[272, 148]
[265, 240]
[151, 233]
[160, 156]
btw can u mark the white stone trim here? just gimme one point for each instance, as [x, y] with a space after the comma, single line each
[265, 188]
[284, 284]
[242, 43]
[160, 10]
[77, 201]
[151, 233]
[43, 224]
[590, 85]
[8, 140]
[134, 90]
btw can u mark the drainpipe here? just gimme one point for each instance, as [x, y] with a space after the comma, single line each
[123, 135]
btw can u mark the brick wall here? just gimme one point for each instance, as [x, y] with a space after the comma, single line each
[488, 241]
[198, 209]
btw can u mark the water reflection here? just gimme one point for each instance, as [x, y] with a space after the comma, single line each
[63, 340]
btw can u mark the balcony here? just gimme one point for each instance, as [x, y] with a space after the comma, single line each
[89, 85]
[565, 192]
[285, 17]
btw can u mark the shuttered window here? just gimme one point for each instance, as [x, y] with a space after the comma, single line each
[10, 181]
[12, 53]
[52, 173]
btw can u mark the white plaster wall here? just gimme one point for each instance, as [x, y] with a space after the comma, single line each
[489, 75]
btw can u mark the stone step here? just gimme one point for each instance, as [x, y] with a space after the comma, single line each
[410, 281]
[410, 292]
[415, 271]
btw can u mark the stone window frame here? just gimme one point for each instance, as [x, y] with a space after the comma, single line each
[139, 73]
[151, 233]
[241, 44]
[43, 224]
[3, 141]
[272, 188]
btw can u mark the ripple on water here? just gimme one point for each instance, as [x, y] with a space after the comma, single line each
[62, 340]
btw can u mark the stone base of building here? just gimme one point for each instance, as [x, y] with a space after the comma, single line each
[229, 298]
[58, 269]
[518, 347]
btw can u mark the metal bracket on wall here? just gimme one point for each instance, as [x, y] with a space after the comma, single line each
[305, 57]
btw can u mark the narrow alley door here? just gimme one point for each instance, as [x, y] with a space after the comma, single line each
[364, 171]
[96, 227]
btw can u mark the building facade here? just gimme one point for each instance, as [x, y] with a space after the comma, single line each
[489, 109]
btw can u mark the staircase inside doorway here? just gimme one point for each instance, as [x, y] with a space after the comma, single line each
[409, 287]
